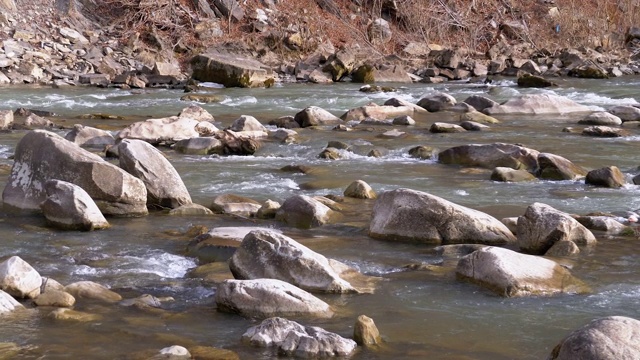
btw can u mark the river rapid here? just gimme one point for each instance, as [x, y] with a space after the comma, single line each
[423, 314]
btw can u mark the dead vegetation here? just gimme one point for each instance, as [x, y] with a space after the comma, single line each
[298, 27]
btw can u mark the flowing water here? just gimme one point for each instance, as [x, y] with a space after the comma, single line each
[421, 314]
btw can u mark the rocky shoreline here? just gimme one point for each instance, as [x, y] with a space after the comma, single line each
[50, 47]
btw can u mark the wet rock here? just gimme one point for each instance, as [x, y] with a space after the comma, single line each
[601, 118]
[92, 290]
[473, 126]
[490, 156]
[533, 81]
[199, 146]
[360, 190]
[55, 298]
[506, 174]
[437, 102]
[237, 143]
[392, 134]
[537, 104]
[365, 332]
[410, 215]
[72, 315]
[171, 129]
[211, 353]
[293, 339]
[6, 119]
[191, 210]
[196, 112]
[8, 303]
[609, 176]
[203, 98]
[315, 116]
[268, 254]
[602, 223]
[219, 244]
[626, 112]
[377, 112]
[605, 131]
[34, 121]
[404, 120]
[402, 103]
[69, 207]
[457, 250]
[554, 167]
[511, 274]
[231, 70]
[541, 226]
[480, 102]
[234, 204]
[164, 185]
[268, 210]
[89, 137]
[302, 211]
[19, 279]
[286, 136]
[563, 248]
[263, 298]
[440, 128]
[612, 337]
[422, 152]
[247, 123]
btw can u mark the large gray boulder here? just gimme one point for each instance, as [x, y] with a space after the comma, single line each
[41, 156]
[164, 185]
[437, 102]
[542, 226]
[231, 70]
[314, 116]
[626, 112]
[410, 215]
[247, 123]
[609, 176]
[303, 211]
[19, 279]
[537, 104]
[8, 303]
[69, 207]
[171, 129]
[293, 339]
[601, 118]
[490, 156]
[555, 167]
[268, 254]
[263, 298]
[89, 137]
[512, 274]
[608, 338]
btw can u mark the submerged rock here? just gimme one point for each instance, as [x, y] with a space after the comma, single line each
[612, 337]
[304, 212]
[264, 298]
[511, 274]
[410, 215]
[609, 176]
[541, 226]
[537, 104]
[92, 290]
[69, 207]
[506, 174]
[293, 339]
[268, 254]
[491, 156]
[42, 155]
[554, 167]
[164, 185]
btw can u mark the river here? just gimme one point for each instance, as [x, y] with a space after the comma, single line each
[420, 314]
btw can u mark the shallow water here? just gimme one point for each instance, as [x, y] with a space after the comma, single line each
[421, 314]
